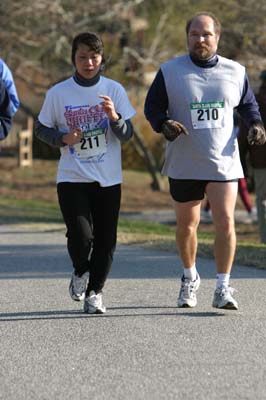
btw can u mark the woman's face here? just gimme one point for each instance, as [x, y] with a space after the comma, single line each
[87, 62]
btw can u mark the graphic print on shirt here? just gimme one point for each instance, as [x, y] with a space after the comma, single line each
[94, 124]
[207, 115]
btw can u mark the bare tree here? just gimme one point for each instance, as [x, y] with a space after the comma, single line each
[35, 38]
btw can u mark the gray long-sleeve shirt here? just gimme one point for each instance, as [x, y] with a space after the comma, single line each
[122, 129]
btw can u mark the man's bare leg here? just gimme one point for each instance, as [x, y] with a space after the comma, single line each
[222, 197]
[187, 221]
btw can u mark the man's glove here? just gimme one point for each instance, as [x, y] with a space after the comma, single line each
[256, 134]
[172, 129]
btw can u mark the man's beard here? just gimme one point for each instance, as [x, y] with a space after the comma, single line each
[202, 53]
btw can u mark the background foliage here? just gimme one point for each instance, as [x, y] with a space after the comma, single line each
[35, 41]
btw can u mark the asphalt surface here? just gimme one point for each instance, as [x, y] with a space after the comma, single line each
[168, 216]
[143, 347]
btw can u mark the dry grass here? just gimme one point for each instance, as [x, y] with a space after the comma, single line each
[37, 184]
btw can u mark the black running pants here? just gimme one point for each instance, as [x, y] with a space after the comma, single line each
[91, 215]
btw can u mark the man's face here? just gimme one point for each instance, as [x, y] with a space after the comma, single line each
[202, 39]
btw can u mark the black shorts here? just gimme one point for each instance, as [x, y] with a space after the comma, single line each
[183, 190]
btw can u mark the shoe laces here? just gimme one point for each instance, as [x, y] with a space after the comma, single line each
[79, 283]
[188, 288]
[95, 299]
[226, 291]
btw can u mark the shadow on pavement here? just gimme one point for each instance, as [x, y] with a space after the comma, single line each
[72, 314]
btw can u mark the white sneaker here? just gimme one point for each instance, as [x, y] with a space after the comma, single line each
[78, 286]
[187, 295]
[223, 299]
[93, 304]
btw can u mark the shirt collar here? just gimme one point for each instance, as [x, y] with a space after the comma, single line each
[86, 82]
[211, 62]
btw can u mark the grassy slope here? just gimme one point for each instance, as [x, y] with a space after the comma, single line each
[29, 196]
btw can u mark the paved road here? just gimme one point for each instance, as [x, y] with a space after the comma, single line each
[168, 216]
[143, 348]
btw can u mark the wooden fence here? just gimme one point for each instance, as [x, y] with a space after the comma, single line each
[19, 142]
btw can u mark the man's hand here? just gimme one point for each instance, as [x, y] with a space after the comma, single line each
[172, 129]
[256, 134]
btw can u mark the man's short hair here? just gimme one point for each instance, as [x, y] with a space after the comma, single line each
[216, 22]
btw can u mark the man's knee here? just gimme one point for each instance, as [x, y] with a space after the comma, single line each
[225, 225]
[186, 229]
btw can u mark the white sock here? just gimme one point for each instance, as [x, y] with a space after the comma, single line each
[222, 280]
[190, 272]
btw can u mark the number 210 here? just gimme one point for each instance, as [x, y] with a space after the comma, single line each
[209, 113]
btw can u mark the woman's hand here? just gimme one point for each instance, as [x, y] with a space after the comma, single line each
[73, 137]
[109, 108]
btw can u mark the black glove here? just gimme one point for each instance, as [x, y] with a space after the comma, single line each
[172, 129]
[256, 133]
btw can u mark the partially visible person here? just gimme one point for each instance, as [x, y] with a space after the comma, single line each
[257, 157]
[191, 102]
[88, 116]
[5, 112]
[9, 101]
[7, 78]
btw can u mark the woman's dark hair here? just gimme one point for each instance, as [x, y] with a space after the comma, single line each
[92, 40]
[216, 22]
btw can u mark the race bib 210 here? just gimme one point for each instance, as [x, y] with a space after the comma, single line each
[207, 115]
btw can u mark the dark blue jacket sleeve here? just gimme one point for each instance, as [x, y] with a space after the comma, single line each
[156, 103]
[248, 108]
[8, 80]
[5, 112]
